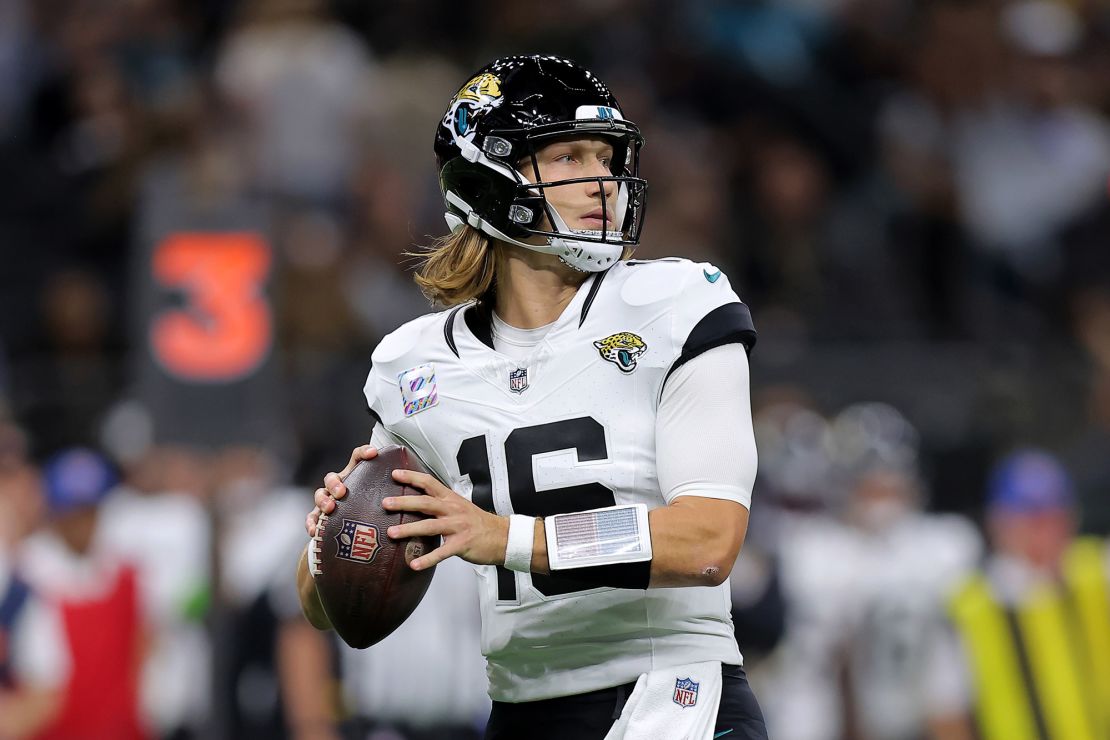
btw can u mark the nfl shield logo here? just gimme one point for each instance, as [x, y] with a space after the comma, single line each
[358, 541]
[685, 692]
[518, 380]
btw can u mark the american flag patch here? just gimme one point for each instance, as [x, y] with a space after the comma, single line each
[597, 533]
[613, 534]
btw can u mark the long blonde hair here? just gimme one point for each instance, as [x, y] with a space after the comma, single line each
[458, 267]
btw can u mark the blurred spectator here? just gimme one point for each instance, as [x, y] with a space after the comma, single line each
[34, 665]
[818, 559]
[99, 600]
[1035, 156]
[273, 668]
[910, 562]
[1020, 666]
[865, 584]
[151, 513]
[301, 84]
[995, 143]
[61, 391]
[820, 252]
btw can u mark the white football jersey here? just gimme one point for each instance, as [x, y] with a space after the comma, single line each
[571, 427]
[903, 584]
[877, 599]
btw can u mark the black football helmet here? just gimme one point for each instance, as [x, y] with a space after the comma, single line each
[507, 110]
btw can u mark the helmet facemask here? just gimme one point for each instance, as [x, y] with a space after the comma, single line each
[584, 249]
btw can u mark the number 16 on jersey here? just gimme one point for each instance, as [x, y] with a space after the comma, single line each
[586, 437]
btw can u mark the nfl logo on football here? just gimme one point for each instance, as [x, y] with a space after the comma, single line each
[685, 692]
[358, 541]
[518, 380]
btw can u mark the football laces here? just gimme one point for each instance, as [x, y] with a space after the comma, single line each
[315, 547]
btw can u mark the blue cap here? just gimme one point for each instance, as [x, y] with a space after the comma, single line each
[1030, 481]
[77, 478]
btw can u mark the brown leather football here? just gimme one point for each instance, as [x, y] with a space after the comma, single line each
[363, 577]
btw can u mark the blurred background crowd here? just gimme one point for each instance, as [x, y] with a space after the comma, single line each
[204, 210]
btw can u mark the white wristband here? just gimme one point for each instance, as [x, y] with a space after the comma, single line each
[518, 552]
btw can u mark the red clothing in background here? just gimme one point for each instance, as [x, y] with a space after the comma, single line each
[104, 634]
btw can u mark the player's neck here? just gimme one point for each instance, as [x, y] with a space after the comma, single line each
[533, 288]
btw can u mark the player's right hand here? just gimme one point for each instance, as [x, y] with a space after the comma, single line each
[333, 488]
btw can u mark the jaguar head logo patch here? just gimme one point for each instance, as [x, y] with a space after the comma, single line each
[476, 98]
[622, 349]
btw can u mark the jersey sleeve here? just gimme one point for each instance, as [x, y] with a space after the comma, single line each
[399, 350]
[705, 445]
[392, 355]
[707, 313]
[371, 391]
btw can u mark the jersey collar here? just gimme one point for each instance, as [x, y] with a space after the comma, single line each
[477, 323]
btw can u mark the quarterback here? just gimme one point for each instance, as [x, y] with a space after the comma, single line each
[587, 418]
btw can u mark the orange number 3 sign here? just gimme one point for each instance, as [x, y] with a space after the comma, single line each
[225, 330]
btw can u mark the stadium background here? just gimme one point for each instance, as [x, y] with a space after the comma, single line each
[204, 206]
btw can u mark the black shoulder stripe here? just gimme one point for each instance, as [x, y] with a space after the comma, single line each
[634, 263]
[727, 324]
[591, 295]
[480, 320]
[449, 329]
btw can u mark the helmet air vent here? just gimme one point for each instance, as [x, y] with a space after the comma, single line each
[495, 146]
[521, 214]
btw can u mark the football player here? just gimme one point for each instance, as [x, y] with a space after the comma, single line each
[587, 418]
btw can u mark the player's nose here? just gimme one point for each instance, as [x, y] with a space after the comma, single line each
[595, 188]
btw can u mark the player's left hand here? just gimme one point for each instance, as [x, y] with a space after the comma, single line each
[473, 534]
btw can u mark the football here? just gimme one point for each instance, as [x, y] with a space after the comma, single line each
[363, 577]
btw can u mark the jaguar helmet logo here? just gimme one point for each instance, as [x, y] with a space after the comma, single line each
[622, 349]
[477, 97]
